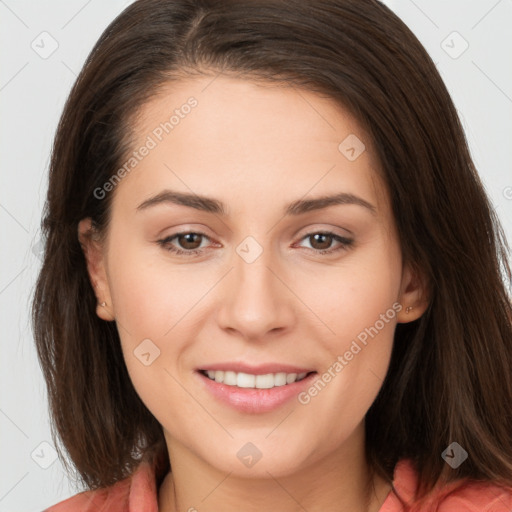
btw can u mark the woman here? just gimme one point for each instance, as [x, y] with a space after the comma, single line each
[272, 278]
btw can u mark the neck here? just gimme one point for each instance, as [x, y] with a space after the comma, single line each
[337, 482]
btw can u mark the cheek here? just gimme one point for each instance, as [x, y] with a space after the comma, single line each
[151, 295]
[155, 304]
[359, 305]
[151, 305]
[351, 296]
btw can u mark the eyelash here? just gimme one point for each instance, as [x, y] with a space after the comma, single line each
[165, 243]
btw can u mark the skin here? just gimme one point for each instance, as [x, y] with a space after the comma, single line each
[256, 148]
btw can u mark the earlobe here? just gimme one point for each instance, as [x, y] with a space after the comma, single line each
[413, 295]
[104, 311]
[94, 257]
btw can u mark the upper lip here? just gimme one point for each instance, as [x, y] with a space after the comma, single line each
[260, 369]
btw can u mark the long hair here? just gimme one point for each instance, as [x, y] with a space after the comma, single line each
[449, 377]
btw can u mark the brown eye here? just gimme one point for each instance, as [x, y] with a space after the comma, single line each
[189, 240]
[322, 241]
[184, 244]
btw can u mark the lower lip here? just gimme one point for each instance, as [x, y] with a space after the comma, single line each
[252, 400]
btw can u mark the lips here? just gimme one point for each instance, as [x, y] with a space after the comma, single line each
[254, 389]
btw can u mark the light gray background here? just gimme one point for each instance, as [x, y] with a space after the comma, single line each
[33, 90]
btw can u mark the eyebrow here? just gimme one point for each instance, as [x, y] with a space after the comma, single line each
[210, 205]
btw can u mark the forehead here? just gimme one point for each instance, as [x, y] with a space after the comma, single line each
[224, 105]
[223, 133]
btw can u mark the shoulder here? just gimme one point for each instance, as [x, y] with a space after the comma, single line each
[477, 497]
[135, 493]
[461, 496]
[114, 498]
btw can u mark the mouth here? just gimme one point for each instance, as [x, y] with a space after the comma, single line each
[254, 381]
[257, 389]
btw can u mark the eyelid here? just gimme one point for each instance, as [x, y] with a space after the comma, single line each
[325, 228]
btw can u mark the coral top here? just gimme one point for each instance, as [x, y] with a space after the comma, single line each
[138, 493]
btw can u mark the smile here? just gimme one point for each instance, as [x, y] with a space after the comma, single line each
[248, 380]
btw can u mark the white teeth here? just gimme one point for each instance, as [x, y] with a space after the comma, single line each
[291, 377]
[265, 381]
[230, 378]
[280, 379]
[247, 380]
[244, 380]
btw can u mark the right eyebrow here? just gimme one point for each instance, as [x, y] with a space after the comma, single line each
[202, 203]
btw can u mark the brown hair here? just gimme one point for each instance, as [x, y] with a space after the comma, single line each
[449, 377]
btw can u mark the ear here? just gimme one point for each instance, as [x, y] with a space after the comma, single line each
[94, 255]
[413, 295]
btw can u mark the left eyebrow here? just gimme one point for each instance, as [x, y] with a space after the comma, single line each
[210, 205]
[318, 203]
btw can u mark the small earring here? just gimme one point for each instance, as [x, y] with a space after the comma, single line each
[103, 304]
[408, 309]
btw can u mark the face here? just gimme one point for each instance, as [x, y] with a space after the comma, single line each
[220, 257]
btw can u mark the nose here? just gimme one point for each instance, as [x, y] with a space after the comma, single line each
[255, 299]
